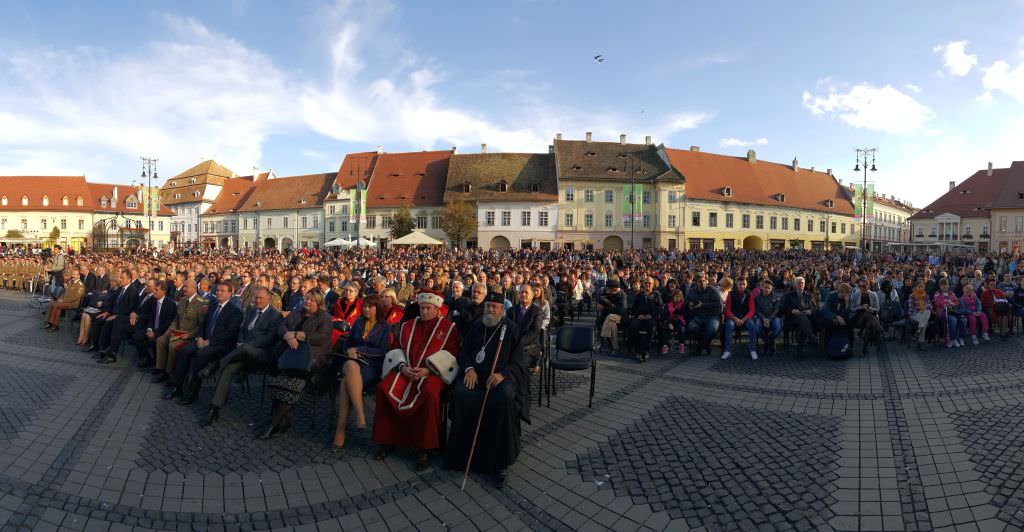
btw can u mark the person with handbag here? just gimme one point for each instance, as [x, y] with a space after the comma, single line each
[304, 351]
[947, 306]
[363, 354]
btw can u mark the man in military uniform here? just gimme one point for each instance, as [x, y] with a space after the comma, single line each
[70, 299]
[191, 311]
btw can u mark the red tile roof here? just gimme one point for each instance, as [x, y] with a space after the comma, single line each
[757, 183]
[294, 192]
[411, 178]
[98, 191]
[975, 195]
[53, 187]
[232, 195]
[353, 165]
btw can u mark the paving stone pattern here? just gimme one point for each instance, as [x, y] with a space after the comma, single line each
[721, 466]
[898, 441]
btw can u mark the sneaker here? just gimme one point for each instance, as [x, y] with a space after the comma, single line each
[974, 339]
[958, 343]
[726, 355]
[753, 355]
[682, 349]
[985, 336]
[949, 343]
[664, 349]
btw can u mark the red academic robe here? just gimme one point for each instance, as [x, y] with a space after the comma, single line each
[343, 311]
[409, 414]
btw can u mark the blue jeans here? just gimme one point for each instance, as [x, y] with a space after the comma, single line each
[730, 330]
[705, 329]
[957, 326]
[773, 330]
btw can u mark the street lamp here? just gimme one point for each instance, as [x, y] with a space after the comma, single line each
[259, 243]
[862, 155]
[149, 174]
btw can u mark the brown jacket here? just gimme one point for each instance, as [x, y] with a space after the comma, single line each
[318, 329]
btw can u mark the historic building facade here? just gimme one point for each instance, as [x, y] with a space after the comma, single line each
[412, 179]
[971, 215]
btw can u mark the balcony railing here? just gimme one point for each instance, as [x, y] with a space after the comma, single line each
[984, 235]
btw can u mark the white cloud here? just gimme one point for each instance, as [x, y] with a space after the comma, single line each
[737, 143]
[985, 97]
[1006, 79]
[956, 59]
[912, 88]
[870, 107]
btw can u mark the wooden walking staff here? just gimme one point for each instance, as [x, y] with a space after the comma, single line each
[480, 418]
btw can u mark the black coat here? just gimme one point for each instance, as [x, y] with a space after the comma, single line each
[225, 330]
[530, 327]
[168, 311]
[513, 363]
[264, 332]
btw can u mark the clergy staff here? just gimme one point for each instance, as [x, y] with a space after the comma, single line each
[498, 443]
[408, 410]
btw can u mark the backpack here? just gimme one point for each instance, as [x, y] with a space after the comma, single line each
[838, 347]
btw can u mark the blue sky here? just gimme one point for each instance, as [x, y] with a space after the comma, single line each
[938, 87]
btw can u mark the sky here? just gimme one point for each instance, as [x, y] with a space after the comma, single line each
[89, 87]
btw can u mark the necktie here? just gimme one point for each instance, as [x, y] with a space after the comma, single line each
[156, 318]
[213, 322]
[254, 320]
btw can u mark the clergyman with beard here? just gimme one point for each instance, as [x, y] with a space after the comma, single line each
[498, 444]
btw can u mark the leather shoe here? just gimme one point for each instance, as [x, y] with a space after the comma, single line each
[500, 478]
[88, 348]
[53, 328]
[162, 377]
[206, 372]
[422, 461]
[172, 393]
[211, 416]
[383, 451]
[145, 363]
[109, 359]
[187, 399]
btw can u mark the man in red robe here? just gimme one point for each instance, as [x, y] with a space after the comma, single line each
[409, 398]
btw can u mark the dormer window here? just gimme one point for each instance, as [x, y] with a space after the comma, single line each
[3, 201]
[830, 203]
[131, 203]
[577, 168]
[64, 201]
[177, 196]
[193, 181]
[503, 186]
[174, 183]
[535, 187]
[591, 154]
[612, 169]
[46, 200]
[302, 201]
[466, 187]
[195, 194]
[24, 201]
[621, 156]
[727, 192]
[780, 197]
[103, 202]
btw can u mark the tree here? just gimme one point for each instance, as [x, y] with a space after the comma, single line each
[14, 233]
[458, 220]
[54, 236]
[402, 223]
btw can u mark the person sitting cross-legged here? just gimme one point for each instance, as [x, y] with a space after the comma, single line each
[71, 298]
[363, 352]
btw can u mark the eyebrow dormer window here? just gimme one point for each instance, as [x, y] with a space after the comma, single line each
[535, 187]
[727, 192]
[503, 186]
[466, 187]
[781, 197]
[46, 200]
[103, 202]
[830, 203]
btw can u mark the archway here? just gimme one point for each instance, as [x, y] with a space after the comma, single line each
[225, 242]
[269, 243]
[500, 242]
[613, 243]
[753, 242]
[286, 243]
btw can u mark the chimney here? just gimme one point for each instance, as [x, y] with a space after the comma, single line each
[551, 148]
[812, 168]
[380, 149]
[115, 194]
[990, 168]
[647, 140]
[952, 185]
[829, 171]
[796, 165]
[455, 150]
[694, 148]
[590, 136]
[622, 138]
[840, 181]
[751, 156]
[483, 147]
[558, 136]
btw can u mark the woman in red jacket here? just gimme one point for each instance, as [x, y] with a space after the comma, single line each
[996, 306]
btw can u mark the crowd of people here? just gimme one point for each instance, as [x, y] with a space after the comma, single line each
[418, 328]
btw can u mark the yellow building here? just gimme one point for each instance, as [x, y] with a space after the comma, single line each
[594, 184]
[740, 202]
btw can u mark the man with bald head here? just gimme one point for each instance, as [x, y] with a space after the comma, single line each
[191, 309]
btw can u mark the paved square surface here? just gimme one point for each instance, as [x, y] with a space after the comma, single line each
[902, 440]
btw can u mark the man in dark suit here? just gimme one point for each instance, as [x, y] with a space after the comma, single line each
[157, 316]
[218, 337]
[256, 341]
[245, 291]
[529, 320]
[330, 296]
[115, 326]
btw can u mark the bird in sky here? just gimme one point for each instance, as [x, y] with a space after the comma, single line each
[599, 58]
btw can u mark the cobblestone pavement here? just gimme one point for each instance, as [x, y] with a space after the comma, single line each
[902, 440]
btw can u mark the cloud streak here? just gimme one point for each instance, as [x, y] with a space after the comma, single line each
[956, 60]
[870, 107]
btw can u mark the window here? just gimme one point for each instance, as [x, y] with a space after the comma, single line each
[24, 200]
[781, 198]
[42, 223]
[245, 224]
[671, 196]
[843, 228]
[371, 222]
[609, 196]
[759, 221]
[46, 201]
[695, 219]
[785, 224]
[330, 209]
[234, 226]
[773, 223]
[24, 223]
[728, 220]
[524, 218]
[302, 222]
[830, 204]
[745, 221]
[421, 221]
[81, 224]
[984, 230]
[63, 223]
[727, 192]
[833, 228]
[344, 210]
[568, 219]
[489, 218]
[435, 222]
[1002, 224]
[385, 222]
[103, 202]
[177, 196]
[542, 218]
[344, 226]
[130, 203]
[64, 201]
[195, 194]
[647, 220]
[608, 220]
[503, 186]
[160, 226]
[967, 230]
[712, 219]
[506, 218]
[3, 200]
[671, 220]
[647, 196]
[284, 222]
[570, 194]
[588, 196]
[1018, 224]
[821, 226]
[796, 224]
[588, 220]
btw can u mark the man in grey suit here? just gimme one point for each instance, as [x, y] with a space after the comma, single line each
[256, 340]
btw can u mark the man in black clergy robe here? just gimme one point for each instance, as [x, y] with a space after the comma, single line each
[498, 444]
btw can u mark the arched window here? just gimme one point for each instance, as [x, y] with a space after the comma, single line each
[727, 192]
[46, 200]
[24, 201]
[79, 201]
[103, 202]
[64, 201]
[3, 200]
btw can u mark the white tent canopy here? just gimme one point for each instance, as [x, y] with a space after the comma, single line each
[417, 238]
[340, 242]
[366, 242]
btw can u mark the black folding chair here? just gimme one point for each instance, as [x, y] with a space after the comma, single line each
[574, 351]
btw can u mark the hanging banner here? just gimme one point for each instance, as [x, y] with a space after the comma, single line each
[636, 209]
[859, 206]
